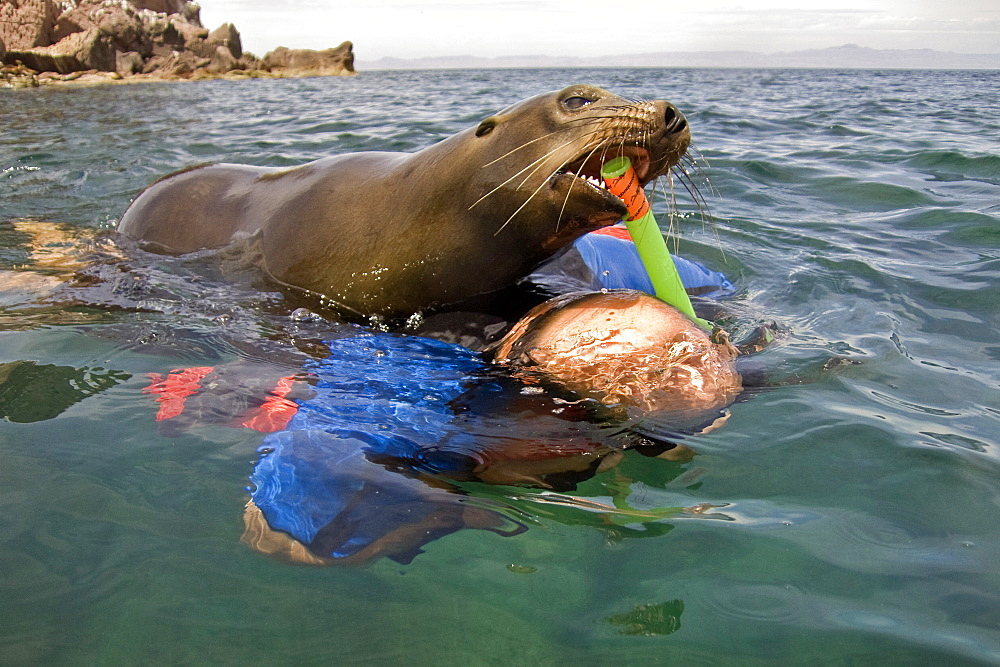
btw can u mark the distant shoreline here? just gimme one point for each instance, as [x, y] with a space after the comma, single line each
[849, 56]
[95, 78]
[833, 68]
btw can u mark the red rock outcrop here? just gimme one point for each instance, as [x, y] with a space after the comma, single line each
[25, 24]
[161, 38]
[226, 35]
[306, 62]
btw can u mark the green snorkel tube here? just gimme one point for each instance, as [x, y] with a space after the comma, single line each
[645, 232]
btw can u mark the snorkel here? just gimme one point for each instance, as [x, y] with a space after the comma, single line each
[622, 182]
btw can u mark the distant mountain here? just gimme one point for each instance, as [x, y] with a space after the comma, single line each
[849, 56]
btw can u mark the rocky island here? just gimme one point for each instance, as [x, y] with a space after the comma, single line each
[50, 41]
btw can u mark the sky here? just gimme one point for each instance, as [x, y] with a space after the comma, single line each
[489, 28]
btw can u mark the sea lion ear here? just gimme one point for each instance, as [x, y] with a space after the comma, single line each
[486, 126]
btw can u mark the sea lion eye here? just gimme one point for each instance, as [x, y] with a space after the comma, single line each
[486, 127]
[576, 102]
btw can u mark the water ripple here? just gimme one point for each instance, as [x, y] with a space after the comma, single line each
[784, 604]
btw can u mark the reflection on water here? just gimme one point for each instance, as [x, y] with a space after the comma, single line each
[32, 392]
[648, 620]
[842, 521]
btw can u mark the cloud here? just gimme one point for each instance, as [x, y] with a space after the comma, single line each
[414, 28]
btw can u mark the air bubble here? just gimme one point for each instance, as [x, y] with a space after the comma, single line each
[522, 569]
[304, 315]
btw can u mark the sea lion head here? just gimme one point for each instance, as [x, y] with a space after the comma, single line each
[626, 349]
[540, 160]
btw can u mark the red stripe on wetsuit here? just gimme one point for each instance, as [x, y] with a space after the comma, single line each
[617, 231]
[173, 390]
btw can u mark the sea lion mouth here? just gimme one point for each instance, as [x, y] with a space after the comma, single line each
[587, 168]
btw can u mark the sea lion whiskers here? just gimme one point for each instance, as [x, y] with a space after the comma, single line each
[579, 171]
[537, 190]
[690, 165]
[536, 164]
[673, 228]
[622, 124]
[603, 127]
[687, 180]
[692, 158]
[692, 189]
[588, 120]
[643, 141]
[703, 209]
[613, 117]
[604, 142]
[555, 171]
[670, 195]
[524, 145]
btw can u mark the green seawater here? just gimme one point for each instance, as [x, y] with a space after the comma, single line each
[850, 519]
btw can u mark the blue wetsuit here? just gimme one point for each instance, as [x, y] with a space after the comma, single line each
[386, 401]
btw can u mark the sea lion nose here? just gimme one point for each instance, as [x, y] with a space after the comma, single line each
[674, 119]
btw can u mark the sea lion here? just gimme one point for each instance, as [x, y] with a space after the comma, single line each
[628, 350]
[390, 234]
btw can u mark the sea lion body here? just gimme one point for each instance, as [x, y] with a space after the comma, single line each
[627, 349]
[394, 233]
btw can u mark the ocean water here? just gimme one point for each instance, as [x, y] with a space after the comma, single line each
[844, 519]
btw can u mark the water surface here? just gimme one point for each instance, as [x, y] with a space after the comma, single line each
[847, 520]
